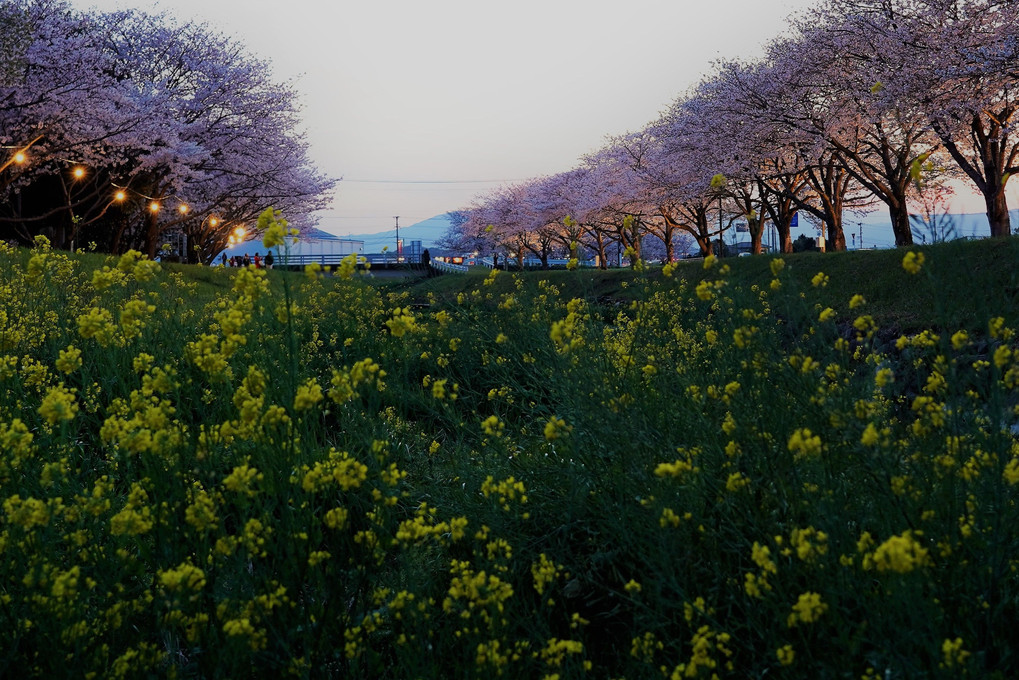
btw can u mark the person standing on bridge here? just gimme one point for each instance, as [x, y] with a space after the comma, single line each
[269, 259]
[426, 260]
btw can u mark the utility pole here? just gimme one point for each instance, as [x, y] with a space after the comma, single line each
[397, 218]
[721, 246]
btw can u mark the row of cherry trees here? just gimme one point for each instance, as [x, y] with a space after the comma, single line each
[125, 129]
[862, 103]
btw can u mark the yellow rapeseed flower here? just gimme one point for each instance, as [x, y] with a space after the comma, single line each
[808, 608]
[555, 428]
[804, 444]
[59, 405]
[705, 290]
[186, 576]
[308, 394]
[69, 360]
[870, 436]
[912, 262]
[736, 481]
[493, 426]
[901, 554]
[953, 653]
[242, 479]
[403, 322]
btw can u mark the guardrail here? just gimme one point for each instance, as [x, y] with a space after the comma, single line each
[449, 267]
[293, 260]
[301, 260]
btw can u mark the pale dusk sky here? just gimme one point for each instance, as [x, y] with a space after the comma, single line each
[421, 105]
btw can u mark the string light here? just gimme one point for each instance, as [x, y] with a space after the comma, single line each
[19, 156]
[79, 172]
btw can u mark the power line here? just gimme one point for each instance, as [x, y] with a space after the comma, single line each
[429, 181]
[371, 217]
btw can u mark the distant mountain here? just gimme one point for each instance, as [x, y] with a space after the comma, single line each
[319, 235]
[427, 231]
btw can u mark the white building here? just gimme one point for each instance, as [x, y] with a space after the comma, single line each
[316, 246]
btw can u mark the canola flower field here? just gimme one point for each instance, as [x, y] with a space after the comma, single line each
[276, 475]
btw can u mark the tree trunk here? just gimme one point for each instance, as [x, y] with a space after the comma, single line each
[785, 239]
[704, 243]
[151, 234]
[602, 261]
[836, 235]
[118, 236]
[900, 225]
[756, 236]
[833, 219]
[997, 212]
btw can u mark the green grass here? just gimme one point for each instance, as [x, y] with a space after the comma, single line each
[972, 280]
[229, 473]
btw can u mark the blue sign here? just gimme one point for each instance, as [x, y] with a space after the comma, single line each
[795, 221]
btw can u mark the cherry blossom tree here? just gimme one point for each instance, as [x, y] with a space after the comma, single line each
[795, 170]
[956, 61]
[184, 122]
[863, 101]
[619, 205]
[680, 167]
[835, 70]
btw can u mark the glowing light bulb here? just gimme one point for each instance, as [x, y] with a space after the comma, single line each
[154, 207]
[20, 157]
[78, 172]
[183, 209]
[119, 196]
[213, 221]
